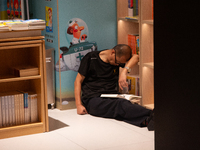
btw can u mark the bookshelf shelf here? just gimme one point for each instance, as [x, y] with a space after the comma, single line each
[149, 106]
[149, 65]
[25, 129]
[12, 78]
[23, 49]
[23, 126]
[131, 20]
[144, 27]
[150, 22]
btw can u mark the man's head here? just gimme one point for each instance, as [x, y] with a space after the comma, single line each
[123, 53]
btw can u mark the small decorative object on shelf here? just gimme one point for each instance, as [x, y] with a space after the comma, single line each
[23, 71]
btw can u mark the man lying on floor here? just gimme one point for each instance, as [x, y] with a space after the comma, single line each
[98, 74]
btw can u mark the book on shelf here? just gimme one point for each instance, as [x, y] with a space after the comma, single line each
[8, 109]
[137, 44]
[21, 109]
[130, 8]
[152, 10]
[36, 23]
[3, 111]
[16, 24]
[30, 107]
[10, 99]
[22, 71]
[3, 27]
[18, 108]
[1, 119]
[19, 24]
[135, 7]
[26, 104]
[133, 42]
[133, 84]
[33, 104]
[131, 97]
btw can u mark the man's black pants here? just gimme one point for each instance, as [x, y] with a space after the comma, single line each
[117, 108]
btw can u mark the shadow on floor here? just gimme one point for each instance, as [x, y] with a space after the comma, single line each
[56, 124]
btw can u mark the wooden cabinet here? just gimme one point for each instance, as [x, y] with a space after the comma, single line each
[147, 53]
[24, 48]
[144, 27]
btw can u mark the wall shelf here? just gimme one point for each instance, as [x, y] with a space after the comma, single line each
[131, 20]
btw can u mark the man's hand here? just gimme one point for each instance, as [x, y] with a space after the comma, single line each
[122, 80]
[131, 63]
[81, 110]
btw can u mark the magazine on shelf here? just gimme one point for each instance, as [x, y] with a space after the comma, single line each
[3, 27]
[1, 117]
[19, 24]
[16, 24]
[36, 23]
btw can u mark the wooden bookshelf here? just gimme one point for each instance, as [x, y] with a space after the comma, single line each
[143, 26]
[147, 53]
[24, 48]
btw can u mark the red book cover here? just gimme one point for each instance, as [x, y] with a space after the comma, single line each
[152, 9]
[132, 42]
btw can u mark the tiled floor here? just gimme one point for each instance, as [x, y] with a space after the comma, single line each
[69, 131]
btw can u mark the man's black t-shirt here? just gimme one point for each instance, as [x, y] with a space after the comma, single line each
[100, 77]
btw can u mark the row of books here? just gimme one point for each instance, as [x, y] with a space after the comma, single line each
[9, 25]
[133, 42]
[133, 8]
[133, 84]
[18, 108]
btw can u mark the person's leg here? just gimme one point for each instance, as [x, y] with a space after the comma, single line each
[119, 109]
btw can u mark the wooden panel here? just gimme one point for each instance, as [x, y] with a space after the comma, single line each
[22, 38]
[19, 46]
[125, 28]
[146, 9]
[18, 34]
[122, 8]
[146, 46]
[146, 53]
[20, 43]
[45, 87]
[11, 78]
[21, 130]
[23, 85]
[147, 86]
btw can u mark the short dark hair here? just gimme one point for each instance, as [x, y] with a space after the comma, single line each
[123, 50]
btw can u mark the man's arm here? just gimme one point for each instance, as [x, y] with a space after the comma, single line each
[123, 75]
[81, 110]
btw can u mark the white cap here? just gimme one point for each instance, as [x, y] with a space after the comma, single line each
[72, 22]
